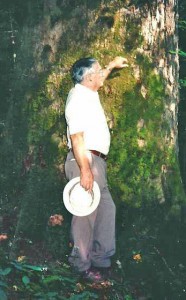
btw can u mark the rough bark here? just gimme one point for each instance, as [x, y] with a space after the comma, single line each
[141, 103]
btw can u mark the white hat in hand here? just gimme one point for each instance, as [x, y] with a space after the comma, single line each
[78, 201]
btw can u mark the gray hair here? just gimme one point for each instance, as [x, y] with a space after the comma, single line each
[80, 68]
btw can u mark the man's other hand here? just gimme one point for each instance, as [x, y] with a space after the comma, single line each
[119, 62]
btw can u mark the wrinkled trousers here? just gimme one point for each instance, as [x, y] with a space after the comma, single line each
[93, 236]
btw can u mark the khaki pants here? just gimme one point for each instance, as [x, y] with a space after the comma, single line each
[94, 235]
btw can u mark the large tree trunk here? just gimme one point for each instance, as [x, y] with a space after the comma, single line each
[140, 102]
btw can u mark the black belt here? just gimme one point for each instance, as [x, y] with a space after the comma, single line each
[97, 153]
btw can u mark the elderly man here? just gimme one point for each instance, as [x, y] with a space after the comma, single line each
[89, 141]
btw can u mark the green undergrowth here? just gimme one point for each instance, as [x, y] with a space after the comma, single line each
[153, 255]
[22, 280]
[149, 263]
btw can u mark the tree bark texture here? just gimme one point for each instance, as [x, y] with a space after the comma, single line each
[141, 103]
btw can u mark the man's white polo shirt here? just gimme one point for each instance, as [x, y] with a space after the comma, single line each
[84, 113]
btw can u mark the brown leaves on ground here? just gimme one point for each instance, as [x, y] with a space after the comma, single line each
[21, 258]
[55, 220]
[137, 257]
[101, 285]
[3, 237]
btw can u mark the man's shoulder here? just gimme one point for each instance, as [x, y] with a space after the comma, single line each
[75, 95]
[72, 90]
[74, 100]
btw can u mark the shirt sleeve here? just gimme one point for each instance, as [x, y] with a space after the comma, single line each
[75, 116]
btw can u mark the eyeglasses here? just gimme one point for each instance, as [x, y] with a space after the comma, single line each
[98, 72]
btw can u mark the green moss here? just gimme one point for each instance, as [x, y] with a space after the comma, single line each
[143, 169]
[133, 38]
[137, 154]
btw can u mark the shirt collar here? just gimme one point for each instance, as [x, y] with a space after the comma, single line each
[84, 88]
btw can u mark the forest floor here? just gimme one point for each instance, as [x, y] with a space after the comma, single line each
[149, 264]
[36, 275]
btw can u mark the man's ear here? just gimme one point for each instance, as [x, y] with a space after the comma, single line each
[89, 77]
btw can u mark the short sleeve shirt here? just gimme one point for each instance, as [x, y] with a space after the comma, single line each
[84, 113]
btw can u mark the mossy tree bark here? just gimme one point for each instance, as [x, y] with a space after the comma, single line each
[140, 103]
